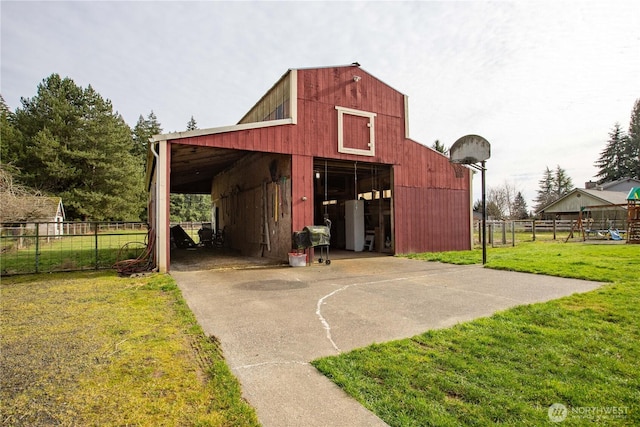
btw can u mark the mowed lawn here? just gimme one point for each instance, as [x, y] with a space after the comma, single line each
[94, 349]
[581, 352]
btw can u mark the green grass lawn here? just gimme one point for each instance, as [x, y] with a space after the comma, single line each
[581, 351]
[90, 349]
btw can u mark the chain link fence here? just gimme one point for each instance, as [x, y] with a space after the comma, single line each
[44, 247]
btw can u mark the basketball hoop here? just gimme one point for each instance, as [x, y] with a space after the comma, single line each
[470, 149]
[458, 169]
[474, 151]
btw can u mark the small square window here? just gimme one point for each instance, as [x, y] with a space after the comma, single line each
[356, 132]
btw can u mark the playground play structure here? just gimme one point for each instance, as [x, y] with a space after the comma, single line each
[633, 216]
[602, 221]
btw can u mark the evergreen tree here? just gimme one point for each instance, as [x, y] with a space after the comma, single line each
[142, 132]
[440, 147]
[77, 147]
[553, 185]
[176, 207]
[562, 183]
[192, 124]
[10, 138]
[613, 162]
[494, 211]
[545, 191]
[190, 207]
[633, 150]
[519, 208]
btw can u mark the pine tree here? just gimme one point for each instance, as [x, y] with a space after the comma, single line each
[562, 183]
[10, 138]
[192, 124]
[78, 148]
[553, 185]
[494, 211]
[519, 208]
[190, 207]
[545, 191]
[142, 132]
[633, 150]
[440, 147]
[612, 163]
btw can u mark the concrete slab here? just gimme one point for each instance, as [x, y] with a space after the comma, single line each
[272, 322]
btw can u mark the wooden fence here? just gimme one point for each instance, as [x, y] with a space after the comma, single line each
[511, 232]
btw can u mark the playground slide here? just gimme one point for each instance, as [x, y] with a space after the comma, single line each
[615, 235]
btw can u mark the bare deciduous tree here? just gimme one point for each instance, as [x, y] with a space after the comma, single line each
[17, 202]
[501, 201]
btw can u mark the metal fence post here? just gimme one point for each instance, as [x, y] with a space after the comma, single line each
[513, 233]
[491, 234]
[37, 247]
[533, 229]
[95, 234]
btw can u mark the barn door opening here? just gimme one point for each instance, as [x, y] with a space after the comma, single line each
[341, 188]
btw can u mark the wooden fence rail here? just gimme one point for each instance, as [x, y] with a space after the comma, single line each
[508, 232]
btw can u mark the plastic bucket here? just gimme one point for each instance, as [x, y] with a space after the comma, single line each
[297, 260]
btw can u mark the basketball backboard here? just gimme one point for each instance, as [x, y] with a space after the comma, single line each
[470, 149]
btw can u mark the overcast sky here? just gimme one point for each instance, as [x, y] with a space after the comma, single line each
[543, 82]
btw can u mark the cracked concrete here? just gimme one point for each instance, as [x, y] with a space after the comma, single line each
[272, 322]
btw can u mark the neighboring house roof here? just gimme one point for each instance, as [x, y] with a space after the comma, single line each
[609, 193]
[607, 197]
[580, 198]
[622, 184]
[32, 208]
[52, 207]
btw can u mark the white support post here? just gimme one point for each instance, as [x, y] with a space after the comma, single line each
[162, 199]
[471, 219]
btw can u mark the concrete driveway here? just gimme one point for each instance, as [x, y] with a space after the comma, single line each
[272, 322]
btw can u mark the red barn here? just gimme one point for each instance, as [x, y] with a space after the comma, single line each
[322, 142]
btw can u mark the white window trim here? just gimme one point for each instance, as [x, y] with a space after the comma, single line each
[372, 139]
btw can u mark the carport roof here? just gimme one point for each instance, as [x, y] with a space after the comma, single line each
[194, 166]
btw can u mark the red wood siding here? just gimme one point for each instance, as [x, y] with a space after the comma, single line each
[433, 220]
[301, 187]
[431, 205]
[357, 132]
[321, 90]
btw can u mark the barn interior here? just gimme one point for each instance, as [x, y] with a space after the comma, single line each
[336, 182]
[251, 206]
